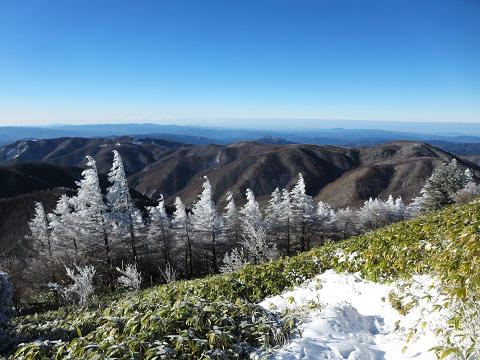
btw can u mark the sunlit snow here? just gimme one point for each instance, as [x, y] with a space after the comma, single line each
[355, 320]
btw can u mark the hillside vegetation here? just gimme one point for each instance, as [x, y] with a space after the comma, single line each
[217, 317]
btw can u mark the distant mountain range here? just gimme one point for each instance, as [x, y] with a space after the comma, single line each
[461, 133]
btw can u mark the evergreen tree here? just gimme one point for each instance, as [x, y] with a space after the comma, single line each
[250, 212]
[89, 217]
[159, 229]
[41, 243]
[181, 227]
[231, 220]
[206, 222]
[123, 212]
[285, 218]
[39, 233]
[441, 187]
[303, 212]
[61, 223]
[346, 222]
[324, 219]
[273, 215]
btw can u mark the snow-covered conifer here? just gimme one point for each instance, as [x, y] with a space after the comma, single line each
[39, 233]
[273, 214]
[181, 228]
[206, 222]
[159, 229]
[346, 222]
[123, 212]
[441, 187]
[90, 212]
[324, 219]
[285, 218]
[61, 223]
[231, 220]
[250, 212]
[303, 212]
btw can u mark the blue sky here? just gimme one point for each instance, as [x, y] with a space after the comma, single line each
[217, 62]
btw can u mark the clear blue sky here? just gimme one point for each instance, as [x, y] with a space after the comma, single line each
[189, 61]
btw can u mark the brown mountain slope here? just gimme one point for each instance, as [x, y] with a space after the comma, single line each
[72, 151]
[341, 176]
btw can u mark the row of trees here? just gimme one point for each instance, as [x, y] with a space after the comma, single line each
[109, 230]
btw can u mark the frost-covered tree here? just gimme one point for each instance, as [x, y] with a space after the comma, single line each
[89, 214]
[324, 219]
[130, 278]
[159, 229]
[285, 218]
[372, 214]
[441, 187]
[61, 222]
[234, 261]
[39, 233]
[181, 228]
[123, 212]
[231, 222]
[250, 212]
[346, 222]
[273, 214]
[274, 208]
[6, 298]
[254, 248]
[470, 192]
[206, 222]
[303, 212]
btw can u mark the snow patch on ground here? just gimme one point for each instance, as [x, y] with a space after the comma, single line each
[347, 317]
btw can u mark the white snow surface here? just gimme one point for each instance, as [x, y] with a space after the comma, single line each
[355, 319]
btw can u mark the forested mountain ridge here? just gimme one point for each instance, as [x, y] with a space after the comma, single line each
[340, 176]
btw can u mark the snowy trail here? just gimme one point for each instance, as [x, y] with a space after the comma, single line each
[355, 320]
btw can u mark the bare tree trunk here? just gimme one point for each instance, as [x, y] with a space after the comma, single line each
[165, 249]
[132, 239]
[288, 236]
[214, 253]
[188, 250]
[302, 241]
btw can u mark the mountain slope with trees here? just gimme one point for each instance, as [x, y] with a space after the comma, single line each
[170, 321]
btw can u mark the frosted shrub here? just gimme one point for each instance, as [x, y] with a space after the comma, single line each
[470, 192]
[169, 274]
[82, 288]
[131, 278]
[6, 296]
[233, 261]
[255, 244]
